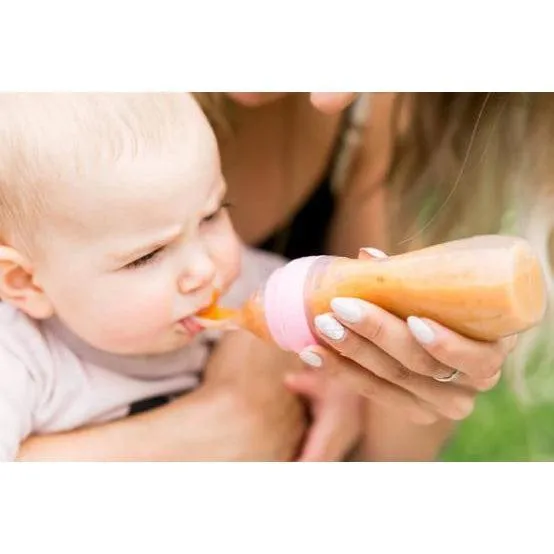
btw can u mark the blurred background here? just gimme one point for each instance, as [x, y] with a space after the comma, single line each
[514, 421]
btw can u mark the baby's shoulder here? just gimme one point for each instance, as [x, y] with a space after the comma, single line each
[22, 339]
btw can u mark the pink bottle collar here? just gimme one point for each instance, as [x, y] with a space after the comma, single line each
[285, 306]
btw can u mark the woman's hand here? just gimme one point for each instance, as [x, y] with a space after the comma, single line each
[265, 421]
[418, 366]
[270, 421]
[337, 416]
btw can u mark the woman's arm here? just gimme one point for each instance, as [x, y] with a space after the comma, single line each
[241, 412]
[182, 430]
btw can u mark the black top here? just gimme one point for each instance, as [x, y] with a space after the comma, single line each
[306, 234]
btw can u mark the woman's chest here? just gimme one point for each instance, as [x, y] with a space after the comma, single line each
[281, 161]
[274, 164]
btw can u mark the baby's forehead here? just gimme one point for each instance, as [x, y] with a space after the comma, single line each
[143, 186]
[154, 189]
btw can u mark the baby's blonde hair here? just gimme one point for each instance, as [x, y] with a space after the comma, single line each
[51, 139]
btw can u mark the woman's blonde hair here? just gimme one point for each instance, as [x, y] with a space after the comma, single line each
[465, 162]
[462, 163]
[476, 163]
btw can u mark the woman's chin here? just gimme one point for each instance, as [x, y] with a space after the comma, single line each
[255, 99]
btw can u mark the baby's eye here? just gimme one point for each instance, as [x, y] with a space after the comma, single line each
[213, 216]
[144, 260]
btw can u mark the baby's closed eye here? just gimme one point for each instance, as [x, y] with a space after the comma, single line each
[146, 259]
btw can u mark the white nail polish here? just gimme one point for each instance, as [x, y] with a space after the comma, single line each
[311, 358]
[330, 327]
[420, 330]
[374, 252]
[349, 309]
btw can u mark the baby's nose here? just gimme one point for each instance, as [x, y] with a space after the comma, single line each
[197, 277]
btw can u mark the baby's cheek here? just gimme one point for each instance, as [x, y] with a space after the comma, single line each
[132, 313]
[228, 254]
[232, 271]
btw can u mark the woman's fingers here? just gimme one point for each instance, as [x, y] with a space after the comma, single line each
[478, 360]
[354, 325]
[336, 416]
[369, 385]
[448, 400]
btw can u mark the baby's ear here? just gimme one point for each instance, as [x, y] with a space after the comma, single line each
[17, 285]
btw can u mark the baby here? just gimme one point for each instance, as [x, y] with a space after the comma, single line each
[113, 235]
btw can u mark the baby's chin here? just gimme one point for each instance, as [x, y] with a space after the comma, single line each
[118, 338]
[142, 346]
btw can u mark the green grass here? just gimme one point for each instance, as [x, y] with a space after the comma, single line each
[502, 428]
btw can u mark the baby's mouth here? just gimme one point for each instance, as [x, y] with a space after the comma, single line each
[191, 326]
[214, 316]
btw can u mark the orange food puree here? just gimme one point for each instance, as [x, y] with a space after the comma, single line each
[214, 311]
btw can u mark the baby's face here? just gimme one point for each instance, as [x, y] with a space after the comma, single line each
[130, 256]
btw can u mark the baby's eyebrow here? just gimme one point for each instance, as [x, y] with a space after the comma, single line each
[218, 191]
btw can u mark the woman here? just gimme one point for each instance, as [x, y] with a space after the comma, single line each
[304, 181]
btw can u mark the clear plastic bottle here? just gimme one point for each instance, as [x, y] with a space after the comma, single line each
[484, 287]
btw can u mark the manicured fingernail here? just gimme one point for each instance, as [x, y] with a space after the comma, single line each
[329, 327]
[311, 358]
[374, 252]
[420, 330]
[349, 309]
